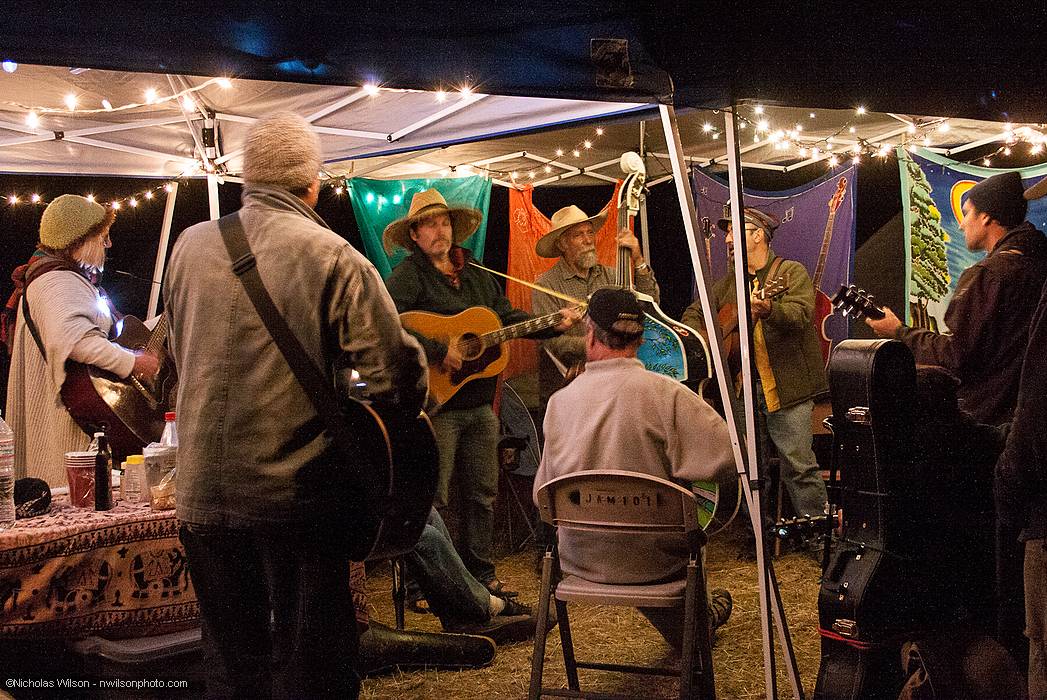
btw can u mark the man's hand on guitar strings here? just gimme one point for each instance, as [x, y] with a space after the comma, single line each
[571, 315]
[452, 360]
[147, 364]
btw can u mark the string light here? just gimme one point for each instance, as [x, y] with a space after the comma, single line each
[371, 89]
[150, 96]
[35, 199]
[441, 96]
[107, 105]
[860, 111]
[70, 102]
[32, 119]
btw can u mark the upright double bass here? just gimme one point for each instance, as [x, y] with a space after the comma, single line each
[668, 347]
[671, 348]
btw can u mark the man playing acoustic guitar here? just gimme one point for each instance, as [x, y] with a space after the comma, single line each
[790, 368]
[437, 276]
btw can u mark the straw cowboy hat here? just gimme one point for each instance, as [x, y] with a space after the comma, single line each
[464, 220]
[561, 221]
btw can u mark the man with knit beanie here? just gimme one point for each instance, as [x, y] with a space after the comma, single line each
[989, 320]
[250, 442]
[60, 314]
[991, 310]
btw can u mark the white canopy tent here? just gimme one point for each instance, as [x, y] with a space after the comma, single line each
[193, 127]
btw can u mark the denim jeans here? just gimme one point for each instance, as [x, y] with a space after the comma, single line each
[789, 429]
[245, 577]
[468, 442]
[453, 594]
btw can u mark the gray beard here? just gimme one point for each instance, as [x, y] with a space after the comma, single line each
[586, 260]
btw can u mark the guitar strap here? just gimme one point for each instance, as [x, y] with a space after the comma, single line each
[32, 324]
[319, 391]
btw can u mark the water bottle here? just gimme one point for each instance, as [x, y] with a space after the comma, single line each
[103, 474]
[7, 475]
[170, 434]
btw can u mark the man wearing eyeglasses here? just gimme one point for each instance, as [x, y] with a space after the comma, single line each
[790, 368]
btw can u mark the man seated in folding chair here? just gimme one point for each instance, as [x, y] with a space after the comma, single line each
[619, 415]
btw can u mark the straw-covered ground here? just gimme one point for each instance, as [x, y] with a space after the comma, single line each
[622, 635]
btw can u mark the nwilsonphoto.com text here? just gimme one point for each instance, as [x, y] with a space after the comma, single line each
[93, 684]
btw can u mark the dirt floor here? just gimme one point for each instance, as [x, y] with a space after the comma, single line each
[622, 635]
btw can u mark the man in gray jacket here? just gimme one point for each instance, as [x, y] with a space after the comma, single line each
[250, 440]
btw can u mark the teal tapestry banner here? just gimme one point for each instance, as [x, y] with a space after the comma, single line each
[377, 203]
[933, 191]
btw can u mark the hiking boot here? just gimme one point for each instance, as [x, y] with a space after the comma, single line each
[720, 607]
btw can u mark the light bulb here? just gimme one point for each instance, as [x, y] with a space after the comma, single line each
[707, 127]
[441, 95]
[943, 127]
[107, 105]
[168, 187]
[32, 120]
[576, 153]
[189, 104]
[70, 102]
[9, 66]
[547, 169]
[466, 91]
[860, 111]
[588, 144]
[148, 195]
[90, 198]
[559, 152]
[115, 205]
[224, 83]
[371, 89]
[13, 199]
[599, 131]
[35, 199]
[150, 96]
[758, 109]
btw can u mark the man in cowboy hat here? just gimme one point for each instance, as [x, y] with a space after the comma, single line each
[69, 318]
[791, 371]
[572, 239]
[437, 276]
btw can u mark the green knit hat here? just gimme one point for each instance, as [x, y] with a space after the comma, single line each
[67, 219]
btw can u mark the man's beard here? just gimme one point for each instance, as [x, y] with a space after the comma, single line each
[586, 260]
[92, 255]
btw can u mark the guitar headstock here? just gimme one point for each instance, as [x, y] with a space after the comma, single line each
[631, 193]
[853, 301]
[772, 289]
[837, 199]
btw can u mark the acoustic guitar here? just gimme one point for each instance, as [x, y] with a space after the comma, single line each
[728, 319]
[822, 305]
[130, 411]
[479, 336]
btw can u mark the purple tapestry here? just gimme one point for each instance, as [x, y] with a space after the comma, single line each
[817, 230]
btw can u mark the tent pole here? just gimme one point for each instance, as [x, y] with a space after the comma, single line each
[770, 599]
[212, 196]
[161, 250]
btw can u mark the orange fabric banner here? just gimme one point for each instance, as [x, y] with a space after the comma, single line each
[526, 226]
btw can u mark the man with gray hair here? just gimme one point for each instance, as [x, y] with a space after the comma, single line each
[250, 440]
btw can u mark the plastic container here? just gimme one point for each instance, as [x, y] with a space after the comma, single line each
[170, 434]
[7, 476]
[133, 481]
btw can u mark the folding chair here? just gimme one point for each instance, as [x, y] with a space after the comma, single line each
[624, 503]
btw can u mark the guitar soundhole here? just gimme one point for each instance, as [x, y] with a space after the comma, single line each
[470, 346]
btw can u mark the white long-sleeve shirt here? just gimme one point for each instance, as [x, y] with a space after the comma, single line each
[619, 415]
[73, 325]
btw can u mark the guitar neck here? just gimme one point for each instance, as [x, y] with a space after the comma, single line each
[826, 239]
[519, 330]
[159, 335]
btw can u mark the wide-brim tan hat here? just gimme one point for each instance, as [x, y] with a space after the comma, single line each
[562, 220]
[464, 220]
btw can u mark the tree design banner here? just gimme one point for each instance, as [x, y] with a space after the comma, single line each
[934, 189]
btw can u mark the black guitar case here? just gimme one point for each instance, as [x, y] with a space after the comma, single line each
[894, 574]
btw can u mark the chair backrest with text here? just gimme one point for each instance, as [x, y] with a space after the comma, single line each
[620, 502]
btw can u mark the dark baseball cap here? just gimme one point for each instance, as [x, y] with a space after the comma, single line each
[612, 304]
